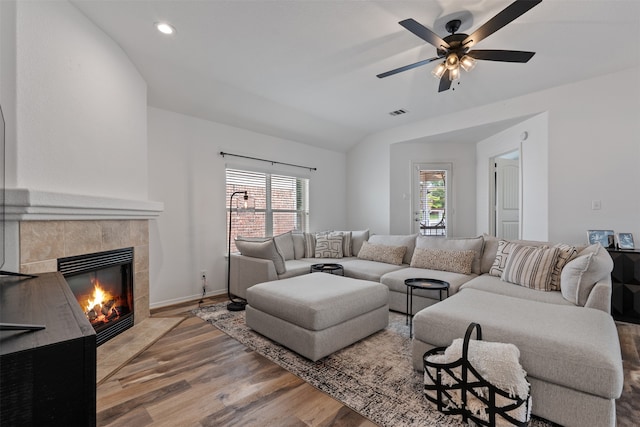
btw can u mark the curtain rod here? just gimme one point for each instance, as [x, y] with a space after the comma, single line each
[273, 162]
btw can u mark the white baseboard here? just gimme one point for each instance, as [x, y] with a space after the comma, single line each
[174, 301]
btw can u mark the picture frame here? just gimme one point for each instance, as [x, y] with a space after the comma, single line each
[625, 241]
[600, 236]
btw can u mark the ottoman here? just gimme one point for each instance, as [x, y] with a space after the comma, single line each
[317, 314]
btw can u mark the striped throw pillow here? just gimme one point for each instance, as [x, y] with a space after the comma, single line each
[531, 266]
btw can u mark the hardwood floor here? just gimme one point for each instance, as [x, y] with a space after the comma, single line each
[196, 375]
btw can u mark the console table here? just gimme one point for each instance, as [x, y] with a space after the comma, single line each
[625, 278]
[48, 375]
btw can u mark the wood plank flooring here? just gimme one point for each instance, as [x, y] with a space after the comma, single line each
[196, 375]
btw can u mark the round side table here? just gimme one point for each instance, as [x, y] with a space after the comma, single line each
[328, 268]
[425, 284]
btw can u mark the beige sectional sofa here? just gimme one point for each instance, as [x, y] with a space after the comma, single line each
[551, 300]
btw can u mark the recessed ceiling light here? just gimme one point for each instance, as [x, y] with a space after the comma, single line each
[165, 28]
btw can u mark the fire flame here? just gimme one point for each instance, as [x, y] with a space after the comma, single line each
[102, 306]
[100, 296]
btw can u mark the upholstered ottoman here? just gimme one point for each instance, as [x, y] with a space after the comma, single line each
[317, 314]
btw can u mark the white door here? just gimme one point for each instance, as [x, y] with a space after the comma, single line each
[507, 198]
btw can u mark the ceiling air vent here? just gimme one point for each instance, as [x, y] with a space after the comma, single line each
[398, 112]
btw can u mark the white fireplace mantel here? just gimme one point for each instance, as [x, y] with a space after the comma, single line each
[34, 205]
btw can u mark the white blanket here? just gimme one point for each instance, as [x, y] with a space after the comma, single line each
[497, 363]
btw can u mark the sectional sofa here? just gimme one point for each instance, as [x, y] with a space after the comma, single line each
[551, 300]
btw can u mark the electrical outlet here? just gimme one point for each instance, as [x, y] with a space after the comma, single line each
[203, 274]
[596, 205]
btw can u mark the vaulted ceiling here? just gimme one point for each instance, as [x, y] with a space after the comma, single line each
[306, 70]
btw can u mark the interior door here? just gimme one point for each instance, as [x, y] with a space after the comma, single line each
[431, 206]
[507, 198]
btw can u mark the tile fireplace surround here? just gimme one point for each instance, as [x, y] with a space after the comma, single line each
[57, 225]
[43, 242]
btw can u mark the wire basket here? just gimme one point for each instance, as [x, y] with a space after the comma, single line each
[458, 389]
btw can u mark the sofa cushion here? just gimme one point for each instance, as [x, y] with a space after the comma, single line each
[382, 253]
[580, 275]
[490, 249]
[408, 241]
[443, 260]
[329, 245]
[284, 242]
[368, 270]
[265, 250]
[488, 283]
[531, 267]
[357, 239]
[395, 280]
[472, 244]
[570, 346]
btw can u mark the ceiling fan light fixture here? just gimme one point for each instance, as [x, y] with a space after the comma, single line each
[438, 72]
[468, 63]
[452, 61]
[454, 74]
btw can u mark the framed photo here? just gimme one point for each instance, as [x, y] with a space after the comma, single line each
[600, 236]
[625, 241]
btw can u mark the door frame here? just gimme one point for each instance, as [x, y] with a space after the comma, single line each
[449, 211]
[492, 190]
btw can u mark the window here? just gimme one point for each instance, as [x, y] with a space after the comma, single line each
[281, 203]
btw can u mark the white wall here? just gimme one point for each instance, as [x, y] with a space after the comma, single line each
[81, 107]
[461, 208]
[187, 173]
[593, 155]
[534, 173]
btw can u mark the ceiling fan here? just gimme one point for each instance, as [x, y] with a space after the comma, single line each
[455, 48]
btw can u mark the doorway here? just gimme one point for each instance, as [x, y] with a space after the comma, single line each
[506, 196]
[432, 183]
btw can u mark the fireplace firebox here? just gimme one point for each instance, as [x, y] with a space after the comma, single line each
[103, 286]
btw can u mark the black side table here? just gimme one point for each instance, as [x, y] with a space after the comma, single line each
[625, 283]
[328, 268]
[426, 284]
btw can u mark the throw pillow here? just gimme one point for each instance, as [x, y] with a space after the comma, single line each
[500, 261]
[382, 253]
[408, 241]
[309, 245]
[298, 244]
[265, 250]
[458, 244]
[284, 242]
[565, 254]
[443, 260]
[530, 266]
[346, 242]
[580, 275]
[328, 245]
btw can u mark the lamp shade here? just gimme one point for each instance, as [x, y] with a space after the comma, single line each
[438, 72]
[452, 61]
[468, 63]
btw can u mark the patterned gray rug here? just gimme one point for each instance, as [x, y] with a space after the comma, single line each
[374, 377]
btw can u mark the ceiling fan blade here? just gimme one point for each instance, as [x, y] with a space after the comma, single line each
[445, 83]
[511, 12]
[407, 67]
[502, 55]
[424, 33]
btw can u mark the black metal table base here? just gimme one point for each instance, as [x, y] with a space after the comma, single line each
[425, 284]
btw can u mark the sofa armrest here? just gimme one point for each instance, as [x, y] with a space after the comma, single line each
[248, 271]
[600, 296]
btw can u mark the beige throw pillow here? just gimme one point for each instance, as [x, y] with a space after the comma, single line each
[382, 253]
[530, 266]
[443, 260]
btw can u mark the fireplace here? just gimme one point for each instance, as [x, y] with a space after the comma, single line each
[103, 286]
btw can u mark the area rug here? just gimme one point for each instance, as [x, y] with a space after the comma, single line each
[374, 376]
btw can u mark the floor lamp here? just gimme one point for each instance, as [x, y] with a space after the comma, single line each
[234, 305]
